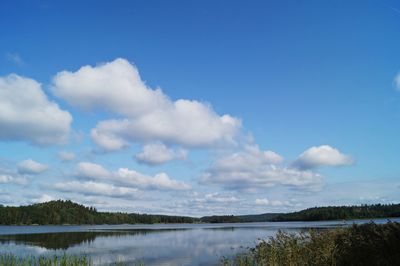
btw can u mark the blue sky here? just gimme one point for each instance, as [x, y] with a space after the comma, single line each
[262, 105]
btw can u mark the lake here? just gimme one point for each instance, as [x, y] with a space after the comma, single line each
[158, 244]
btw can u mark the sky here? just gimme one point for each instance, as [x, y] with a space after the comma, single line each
[200, 107]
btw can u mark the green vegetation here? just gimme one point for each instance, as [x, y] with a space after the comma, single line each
[265, 217]
[220, 219]
[67, 212]
[240, 218]
[367, 244]
[64, 260]
[342, 213]
[314, 214]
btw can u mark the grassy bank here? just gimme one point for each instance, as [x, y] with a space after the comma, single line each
[64, 260]
[367, 244]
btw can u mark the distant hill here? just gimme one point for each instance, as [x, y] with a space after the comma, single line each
[314, 214]
[265, 217]
[68, 212]
[220, 219]
[342, 213]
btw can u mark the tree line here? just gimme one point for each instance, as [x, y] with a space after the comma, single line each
[68, 212]
[342, 213]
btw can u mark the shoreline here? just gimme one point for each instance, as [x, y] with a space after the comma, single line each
[211, 223]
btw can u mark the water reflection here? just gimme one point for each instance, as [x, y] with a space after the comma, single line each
[152, 244]
[196, 246]
[54, 241]
[65, 240]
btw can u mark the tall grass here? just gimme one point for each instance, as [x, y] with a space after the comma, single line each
[367, 244]
[63, 260]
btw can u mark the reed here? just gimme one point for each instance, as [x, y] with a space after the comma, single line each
[368, 244]
[62, 260]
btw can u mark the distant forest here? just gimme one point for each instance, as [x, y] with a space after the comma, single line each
[342, 213]
[68, 212]
[266, 217]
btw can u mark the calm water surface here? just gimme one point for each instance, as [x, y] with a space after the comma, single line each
[183, 244]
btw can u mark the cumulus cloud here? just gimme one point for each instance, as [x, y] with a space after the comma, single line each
[320, 156]
[250, 157]
[158, 153]
[115, 86]
[27, 115]
[96, 188]
[10, 179]
[43, 198]
[66, 156]
[267, 202]
[147, 115]
[214, 203]
[129, 177]
[253, 168]
[92, 171]
[31, 167]
[218, 198]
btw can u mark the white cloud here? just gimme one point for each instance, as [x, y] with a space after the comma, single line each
[5, 179]
[148, 115]
[128, 177]
[43, 198]
[218, 198]
[66, 156]
[159, 181]
[96, 188]
[92, 170]
[27, 115]
[397, 81]
[253, 168]
[250, 157]
[261, 177]
[31, 167]
[115, 86]
[216, 203]
[267, 202]
[350, 193]
[158, 153]
[106, 135]
[9, 179]
[320, 156]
